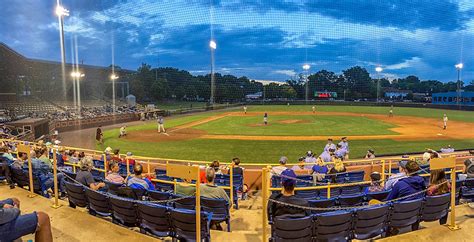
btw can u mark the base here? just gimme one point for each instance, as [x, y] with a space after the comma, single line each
[32, 195]
[56, 206]
[453, 228]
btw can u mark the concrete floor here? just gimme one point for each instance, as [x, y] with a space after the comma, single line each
[73, 225]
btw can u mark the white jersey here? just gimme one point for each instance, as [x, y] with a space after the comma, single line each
[445, 119]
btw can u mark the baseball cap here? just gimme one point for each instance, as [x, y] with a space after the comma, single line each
[288, 178]
[283, 160]
[129, 153]
[403, 163]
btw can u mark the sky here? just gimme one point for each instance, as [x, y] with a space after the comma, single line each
[260, 39]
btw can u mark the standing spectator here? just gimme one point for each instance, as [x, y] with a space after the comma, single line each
[138, 181]
[279, 169]
[113, 175]
[84, 176]
[438, 183]
[237, 170]
[370, 154]
[447, 149]
[390, 182]
[216, 166]
[13, 225]
[330, 145]
[99, 136]
[345, 146]
[309, 159]
[288, 181]
[408, 185]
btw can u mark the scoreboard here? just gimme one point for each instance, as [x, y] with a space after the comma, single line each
[325, 94]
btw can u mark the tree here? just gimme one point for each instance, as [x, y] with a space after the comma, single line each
[358, 82]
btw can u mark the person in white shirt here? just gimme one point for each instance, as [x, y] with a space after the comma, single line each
[329, 145]
[123, 131]
[279, 169]
[445, 121]
[309, 159]
[245, 109]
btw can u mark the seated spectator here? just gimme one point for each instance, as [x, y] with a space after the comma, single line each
[185, 188]
[138, 181]
[428, 155]
[390, 182]
[13, 225]
[447, 149]
[5, 168]
[338, 167]
[116, 156]
[210, 190]
[84, 176]
[326, 155]
[375, 184]
[469, 168]
[300, 166]
[287, 195]
[108, 153]
[113, 175]
[20, 162]
[43, 171]
[309, 159]
[340, 152]
[370, 154]
[438, 183]
[74, 156]
[216, 166]
[279, 169]
[7, 154]
[43, 156]
[409, 185]
[319, 170]
[129, 158]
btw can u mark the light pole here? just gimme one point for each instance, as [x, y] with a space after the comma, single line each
[113, 77]
[458, 88]
[61, 12]
[306, 68]
[378, 69]
[76, 75]
[213, 47]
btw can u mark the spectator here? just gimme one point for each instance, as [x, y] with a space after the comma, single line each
[447, 149]
[7, 154]
[428, 155]
[326, 155]
[338, 167]
[185, 188]
[13, 225]
[84, 176]
[279, 169]
[237, 170]
[5, 169]
[129, 158]
[216, 166]
[287, 196]
[370, 154]
[42, 155]
[74, 156]
[408, 185]
[300, 166]
[116, 156]
[138, 181]
[345, 146]
[393, 179]
[340, 152]
[319, 170]
[375, 184]
[438, 183]
[20, 162]
[329, 145]
[210, 190]
[113, 175]
[469, 168]
[309, 159]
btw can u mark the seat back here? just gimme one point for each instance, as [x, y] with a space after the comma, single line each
[292, 228]
[355, 176]
[371, 222]
[183, 222]
[112, 187]
[218, 207]
[69, 175]
[76, 194]
[304, 181]
[435, 207]
[351, 190]
[322, 203]
[154, 219]
[124, 211]
[351, 200]
[98, 202]
[405, 213]
[323, 193]
[307, 194]
[185, 203]
[158, 195]
[165, 187]
[381, 196]
[333, 226]
[20, 177]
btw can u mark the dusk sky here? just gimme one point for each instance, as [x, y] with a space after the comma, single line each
[263, 40]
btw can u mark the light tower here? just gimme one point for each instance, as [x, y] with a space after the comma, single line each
[306, 68]
[378, 69]
[458, 86]
[213, 47]
[61, 12]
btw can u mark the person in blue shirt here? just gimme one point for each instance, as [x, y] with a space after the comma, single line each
[138, 181]
[43, 171]
[408, 185]
[319, 170]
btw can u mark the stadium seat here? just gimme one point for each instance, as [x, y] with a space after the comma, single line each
[307, 194]
[333, 226]
[322, 203]
[183, 222]
[112, 187]
[123, 211]
[371, 222]
[164, 187]
[406, 213]
[154, 219]
[76, 195]
[158, 195]
[381, 196]
[355, 176]
[436, 208]
[69, 175]
[323, 193]
[350, 190]
[292, 228]
[98, 203]
[350, 200]
[185, 203]
[304, 181]
[219, 208]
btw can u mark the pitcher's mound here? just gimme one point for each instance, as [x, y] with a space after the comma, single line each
[293, 121]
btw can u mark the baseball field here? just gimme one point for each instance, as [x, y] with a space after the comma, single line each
[293, 130]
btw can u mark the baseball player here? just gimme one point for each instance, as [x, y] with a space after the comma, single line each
[314, 109]
[445, 121]
[390, 113]
[123, 131]
[265, 118]
[245, 109]
[161, 124]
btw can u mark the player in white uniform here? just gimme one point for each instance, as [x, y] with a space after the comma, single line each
[245, 109]
[390, 113]
[314, 109]
[265, 118]
[445, 121]
[161, 124]
[123, 131]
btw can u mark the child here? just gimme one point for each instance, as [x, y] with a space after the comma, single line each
[375, 185]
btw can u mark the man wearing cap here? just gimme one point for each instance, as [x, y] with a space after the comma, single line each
[279, 169]
[309, 159]
[390, 182]
[326, 156]
[329, 145]
[345, 146]
[409, 185]
[287, 195]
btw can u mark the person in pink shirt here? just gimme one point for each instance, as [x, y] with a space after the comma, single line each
[113, 175]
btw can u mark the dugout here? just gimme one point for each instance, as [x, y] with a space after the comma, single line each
[37, 126]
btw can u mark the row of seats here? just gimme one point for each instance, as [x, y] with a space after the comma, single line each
[307, 180]
[174, 219]
[361, 224]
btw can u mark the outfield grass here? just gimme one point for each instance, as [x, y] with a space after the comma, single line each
[270, 151]
[179, 105]
[311, 125]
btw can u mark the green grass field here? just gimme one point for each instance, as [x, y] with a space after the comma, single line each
[256, 151]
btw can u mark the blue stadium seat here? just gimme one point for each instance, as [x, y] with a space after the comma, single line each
[219, 208]
[307, 194]
[304, 181]
[154, 219]
[112, 187]
[381, 196]
[350, 190]
[351, 200]
[76, 195]
[371, 222]
[322, 203]
[158, 195]
[292, 228]
[123, 211]
[355, 176]
[164, 187]
[333, 226]
[98, 203]
[406, 213]
[436, 208]
[183, 222]
[185, 203]
[323, 193]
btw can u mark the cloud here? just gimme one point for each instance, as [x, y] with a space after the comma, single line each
[405, 64]
[290, 73]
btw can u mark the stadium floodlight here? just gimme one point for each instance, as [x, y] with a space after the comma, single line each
[77, 74]
[306, 67]
[61, 11]
[459, 66]
[213, 44]
[114, 77]
[378, 69]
